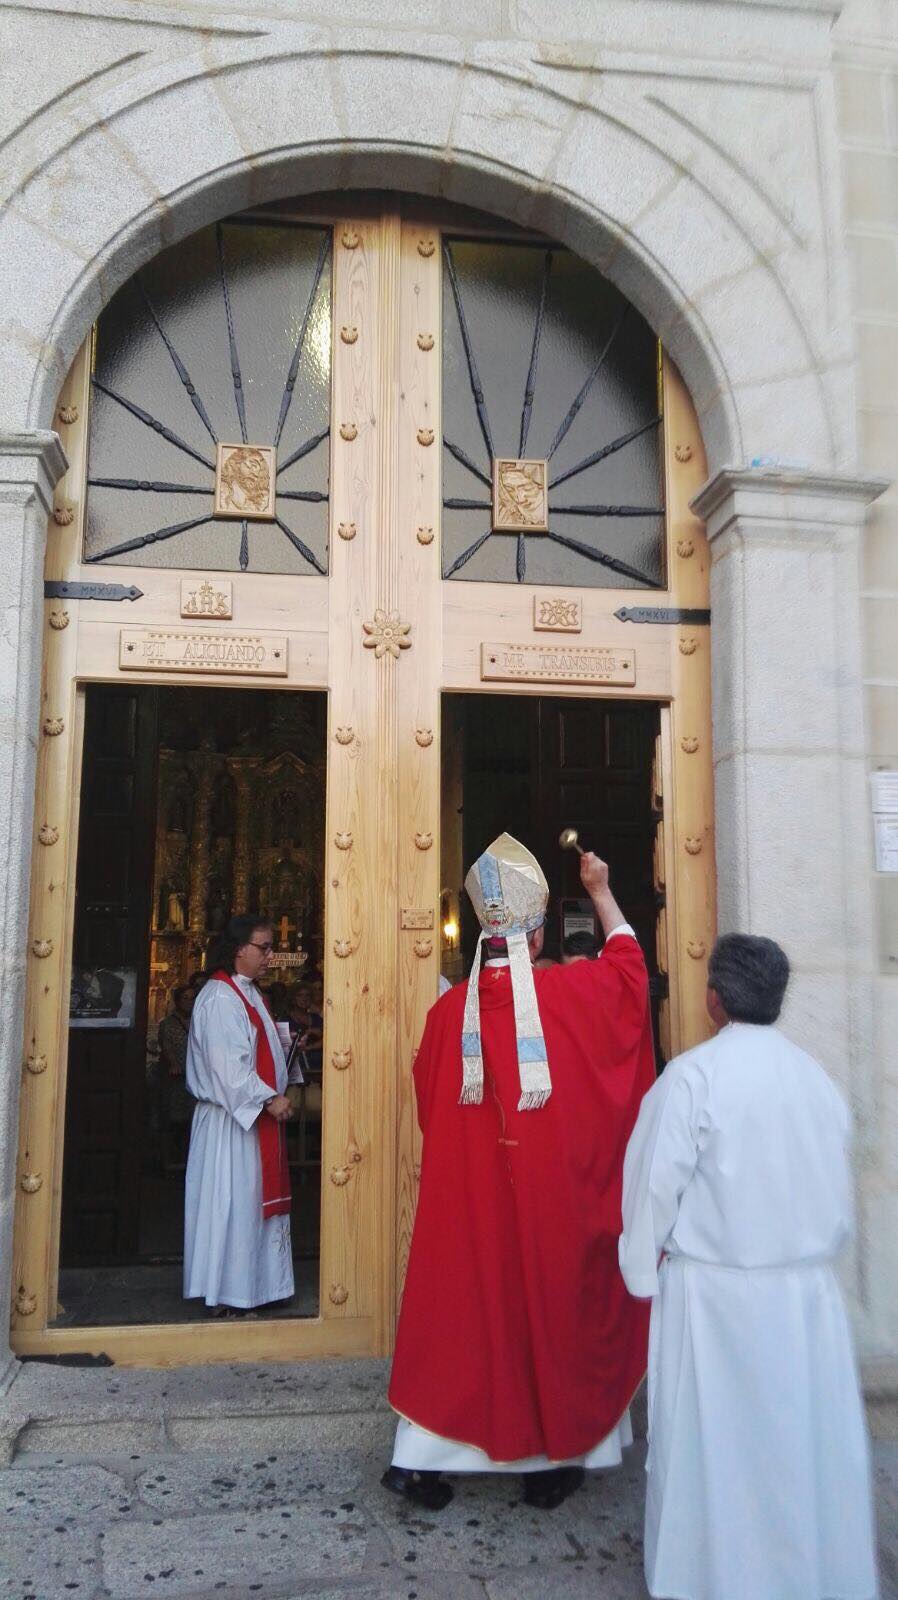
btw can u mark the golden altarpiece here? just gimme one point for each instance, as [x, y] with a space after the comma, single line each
[431, 474]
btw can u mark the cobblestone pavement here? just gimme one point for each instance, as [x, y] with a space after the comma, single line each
[214, 1505]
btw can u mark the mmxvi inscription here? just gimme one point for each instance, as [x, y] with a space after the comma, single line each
[547, 663]
[255, 655]
[245, 482]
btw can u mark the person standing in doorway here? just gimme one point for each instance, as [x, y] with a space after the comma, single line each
[237, 1251]
[175, 1103]
[519, 1349]
[737, 1176]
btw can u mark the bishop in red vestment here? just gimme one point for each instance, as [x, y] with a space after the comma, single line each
[519, 1347]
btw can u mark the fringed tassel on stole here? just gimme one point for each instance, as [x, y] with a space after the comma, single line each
[534, 1100]
[536, 1085]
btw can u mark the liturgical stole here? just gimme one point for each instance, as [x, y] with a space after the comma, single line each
[272, 1134]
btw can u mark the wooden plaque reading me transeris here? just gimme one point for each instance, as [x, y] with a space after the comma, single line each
[255, 655]
[551, 663]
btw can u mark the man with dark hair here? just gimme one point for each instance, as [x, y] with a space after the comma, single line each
[737, 1176]
[237, 1194]
[580, 946]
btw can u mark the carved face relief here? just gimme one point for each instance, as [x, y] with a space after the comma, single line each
[520, 496]
[244, 482]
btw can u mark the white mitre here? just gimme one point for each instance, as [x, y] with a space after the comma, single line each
[509, 893]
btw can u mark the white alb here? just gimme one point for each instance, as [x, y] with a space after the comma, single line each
[232, 1255]
[758, 1469]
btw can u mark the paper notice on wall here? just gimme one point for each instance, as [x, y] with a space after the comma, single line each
[885, 836]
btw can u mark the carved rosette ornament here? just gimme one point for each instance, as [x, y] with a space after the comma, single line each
[58, 620]
[425, 341]
[349, 335]
[387, 634]
[47, 834]
[689, 745]
[68, 414]
[347, 530]
[63, 513]
[42, 948]
[423, 737]
[423, 948]
[425, 536]
[423, 841]
[344, 735]
[35, 1065]
[30, 1182]
[338, 1294]
[26, 1304]
[348, 432]
[341, 1059]
[342, 948]
[53, 727]
[340, 1176]
[343, 841]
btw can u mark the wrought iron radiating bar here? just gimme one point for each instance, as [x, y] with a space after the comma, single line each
[150, 538]
[607, 511]
[460, 455]
[572, 414]
[152, 422]
[244, 546]
[232, 337]
[454, 503]
[606, 450]
[147, 486]
[179, 366]
[520, 563]
[473, 374]
[314, 495]
[467, 554]
[603, 558]
[303, 549]
[534, 357]
[304, 450]
[287, 397]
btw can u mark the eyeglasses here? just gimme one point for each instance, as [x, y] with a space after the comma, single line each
[266, 947]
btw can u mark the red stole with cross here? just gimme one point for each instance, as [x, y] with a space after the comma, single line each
[272, 1136]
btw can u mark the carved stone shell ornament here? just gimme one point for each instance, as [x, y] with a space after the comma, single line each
[42, 948]
[342, 948]
[347, 530]
[425, 341]
[338, 1294]
[341, 1059]
[348, 431]
[340, 1176]
[26, 1304]
[685, 548]
[695, 949]
[53, 727]
[423, 948]
[349, 335]
[47, 834]
[688, 647]
[35, 1065]
[63, 513]
[349, 239]
[423, 737]
[344, 735]
[58, 620]
[343, 841]
[31, 1182]
[68, 414]
[693, 846]
[426, 248]
[425, 536]
[689, 744]
[423, 841]
[683, 452]
[425, 436]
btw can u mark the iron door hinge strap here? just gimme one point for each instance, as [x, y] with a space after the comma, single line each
[671, 615]
[58, 589]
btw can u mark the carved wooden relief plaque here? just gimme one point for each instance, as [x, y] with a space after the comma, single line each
[557, 613]
[245, 482]
[415, 919]
[520, 496]
[207, 597]
[256, 655]
[555, 663]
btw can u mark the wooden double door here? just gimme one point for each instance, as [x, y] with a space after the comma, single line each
[392, 625]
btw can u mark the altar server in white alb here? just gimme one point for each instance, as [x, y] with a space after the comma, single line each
[237, 1250]
[737, 1177]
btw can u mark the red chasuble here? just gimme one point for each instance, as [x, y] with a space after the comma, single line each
[272, 1136]
[517, 1334]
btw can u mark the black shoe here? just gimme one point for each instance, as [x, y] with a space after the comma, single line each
[548, 1489]
[425, 1489]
